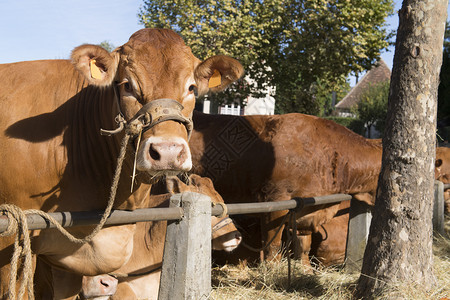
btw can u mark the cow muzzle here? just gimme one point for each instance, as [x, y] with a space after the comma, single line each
[164, 155]
[225, 236]
[158, 155]
[98, 286]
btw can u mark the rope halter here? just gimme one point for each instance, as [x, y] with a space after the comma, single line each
[151, 114]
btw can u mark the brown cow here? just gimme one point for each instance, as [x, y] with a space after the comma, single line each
[276, 158]
[442, 172]
[328, 245]
[273, 158]
[53, 158]
[147, 253]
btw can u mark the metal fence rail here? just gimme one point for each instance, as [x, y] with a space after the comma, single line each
[82, 218]
[120, 217]
[192, 230]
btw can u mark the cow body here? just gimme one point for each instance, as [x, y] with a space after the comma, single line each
[328, 245]
[53, 158]
[143, 267]
[276, 158]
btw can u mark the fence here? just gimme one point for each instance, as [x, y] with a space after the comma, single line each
[186, 272]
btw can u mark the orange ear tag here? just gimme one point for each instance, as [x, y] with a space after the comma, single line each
[215, 80]
[95, 71]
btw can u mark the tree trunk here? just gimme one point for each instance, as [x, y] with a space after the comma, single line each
[399, 246]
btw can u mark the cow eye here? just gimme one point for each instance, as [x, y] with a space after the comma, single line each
[193, 89]
[127, 87]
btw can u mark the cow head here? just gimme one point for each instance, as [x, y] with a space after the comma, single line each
[224, 234]
[156, 78]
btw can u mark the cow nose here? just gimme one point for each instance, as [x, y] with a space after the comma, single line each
[108, 284]
[168, 155]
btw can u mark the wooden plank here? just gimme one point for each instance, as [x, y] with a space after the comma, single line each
[358, 232]
[438, 208]
[186, 270]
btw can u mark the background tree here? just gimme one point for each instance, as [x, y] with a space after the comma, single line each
[372, 107]
[400, 239]
[288, 44]
[107, 46]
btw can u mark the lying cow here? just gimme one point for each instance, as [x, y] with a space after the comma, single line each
[276, 158]
[53, 158]
[143, 268]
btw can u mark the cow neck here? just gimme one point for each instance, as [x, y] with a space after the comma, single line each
[94, 157]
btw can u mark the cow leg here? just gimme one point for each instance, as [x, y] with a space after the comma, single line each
[272, 230]
[51, 283]
[6, 253]
[43, 281]
[5, 258]
[305, 247]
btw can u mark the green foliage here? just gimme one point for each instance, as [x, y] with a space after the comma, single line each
[372, 107]
[107, 46]
[324, 96]
[355, 125]
[329, 40]
[290, 44]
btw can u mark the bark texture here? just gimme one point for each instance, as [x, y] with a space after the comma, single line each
[399, 248]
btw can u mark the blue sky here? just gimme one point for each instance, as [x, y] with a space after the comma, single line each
[50, 29]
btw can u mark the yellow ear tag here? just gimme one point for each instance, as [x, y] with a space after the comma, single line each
[215, 80]
[95, 71]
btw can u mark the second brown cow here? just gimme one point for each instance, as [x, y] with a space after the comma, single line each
[276, 158]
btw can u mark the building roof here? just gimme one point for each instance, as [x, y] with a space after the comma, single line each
[380, 72]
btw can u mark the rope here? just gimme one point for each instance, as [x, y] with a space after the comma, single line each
[17, 224]
[292, 234]
[135, 159]
[22, 251]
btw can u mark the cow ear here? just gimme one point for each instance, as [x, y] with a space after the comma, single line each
[216, 73]
[96, 64]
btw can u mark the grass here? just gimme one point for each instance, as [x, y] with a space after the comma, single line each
[269, 280]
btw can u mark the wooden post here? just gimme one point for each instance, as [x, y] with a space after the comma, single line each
[358, 232]
[438, 208]
[186, 269]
